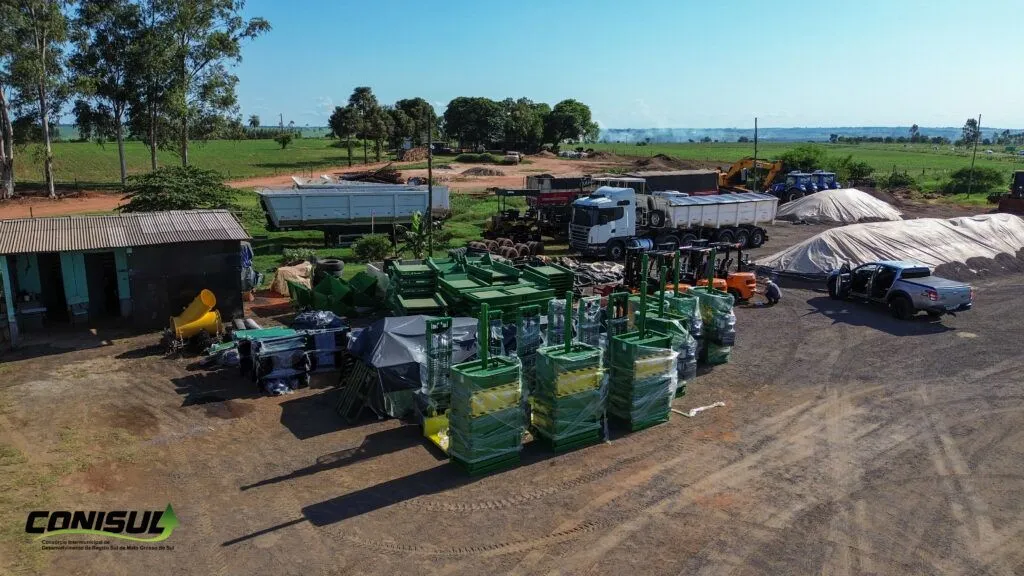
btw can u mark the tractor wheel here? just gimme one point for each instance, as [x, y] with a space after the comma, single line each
[743, 237]
[756, 238]
[509, 252]
[492, 246]
[657, 219]
[522, 249]
[726, 235]
[794, 195]
[503, 242]
[535, 248]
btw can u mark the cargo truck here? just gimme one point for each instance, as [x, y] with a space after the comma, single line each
[346, 212]
[610, 219]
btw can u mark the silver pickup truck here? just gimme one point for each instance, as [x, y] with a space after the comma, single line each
[905, 287]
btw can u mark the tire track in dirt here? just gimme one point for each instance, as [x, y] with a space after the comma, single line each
[966, 505]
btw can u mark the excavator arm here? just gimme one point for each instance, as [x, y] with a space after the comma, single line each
[729, 178]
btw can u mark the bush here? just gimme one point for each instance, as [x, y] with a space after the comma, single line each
[294, 255]
[176, 188]
[283, 139]
[985, 180]
[372, 247]
[846, 169]
[477, 159]
[805, 158]
[897, 180]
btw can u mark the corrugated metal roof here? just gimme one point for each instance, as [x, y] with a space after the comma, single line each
[73, 233]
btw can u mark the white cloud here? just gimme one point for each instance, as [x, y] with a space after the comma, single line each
[324, 104]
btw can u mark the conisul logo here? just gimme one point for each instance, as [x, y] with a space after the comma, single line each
[123, 524]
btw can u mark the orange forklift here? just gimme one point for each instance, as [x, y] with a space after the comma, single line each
[741, 284]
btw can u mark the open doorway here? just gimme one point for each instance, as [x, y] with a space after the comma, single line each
[51, 281]
[101, 281]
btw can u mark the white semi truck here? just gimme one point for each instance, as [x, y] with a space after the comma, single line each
[610, 219]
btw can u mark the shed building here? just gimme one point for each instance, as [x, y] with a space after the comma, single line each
[143, 267]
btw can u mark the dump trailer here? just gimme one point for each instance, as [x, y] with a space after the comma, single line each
[610, 219]
[346, 212]
[692, 182]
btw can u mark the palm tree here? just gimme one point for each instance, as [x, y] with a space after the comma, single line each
[254, 121]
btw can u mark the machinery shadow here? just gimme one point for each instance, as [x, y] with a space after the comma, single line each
[312, 415]
[874, 316]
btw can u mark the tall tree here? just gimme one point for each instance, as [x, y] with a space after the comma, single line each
[148, 116]
[38, 65]
[107, 35]
[915, 133]
[365, 105]
[422, 116]
[8, 18]
[254, 121]
[474, 121]
[207, 37]
[344, 122]
[524, 123]
[970, 131]
[570, 120]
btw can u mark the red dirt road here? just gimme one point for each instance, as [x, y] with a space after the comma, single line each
[34, 206]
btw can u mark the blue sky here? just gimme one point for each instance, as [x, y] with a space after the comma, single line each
[650, 63]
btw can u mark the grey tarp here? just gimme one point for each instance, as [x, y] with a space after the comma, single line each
[843, 206]
[396, 347]
[931, 241]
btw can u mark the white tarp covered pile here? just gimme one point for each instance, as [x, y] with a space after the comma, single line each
[843, 206]
[931, 241]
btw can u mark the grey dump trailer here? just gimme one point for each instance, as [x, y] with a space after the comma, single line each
[346, 212]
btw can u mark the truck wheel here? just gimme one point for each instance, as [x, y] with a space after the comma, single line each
[756, 238]
[743, 237]
[670, 239]
[901, 308]
[616, 251]
[726, 235]
[657, 219]
[688, 239]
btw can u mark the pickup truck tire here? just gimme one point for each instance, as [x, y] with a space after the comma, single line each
[657, 219]
[615, 250]
[726, 235]
[901, 308]
[743, 237]
[756, 238]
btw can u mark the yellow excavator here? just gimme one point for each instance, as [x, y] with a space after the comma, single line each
[740, 176]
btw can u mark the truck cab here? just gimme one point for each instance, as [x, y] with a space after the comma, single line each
[795, 186]
[825, 180]
[602, 221]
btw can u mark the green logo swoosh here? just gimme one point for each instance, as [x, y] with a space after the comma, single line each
[169, 521]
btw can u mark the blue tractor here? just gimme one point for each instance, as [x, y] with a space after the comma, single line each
[825, 180]
[795, 186]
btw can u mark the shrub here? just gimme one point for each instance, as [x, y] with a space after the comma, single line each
[985, 180]
[293, 255]
[897, 180]
[806, 158]
[372, 247]
[176, 188]
[283, 139]
[477, 159]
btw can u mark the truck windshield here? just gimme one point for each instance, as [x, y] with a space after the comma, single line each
[582, 216]
[911, 273]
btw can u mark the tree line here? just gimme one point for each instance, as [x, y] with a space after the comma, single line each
[512, 124]
[155, 70]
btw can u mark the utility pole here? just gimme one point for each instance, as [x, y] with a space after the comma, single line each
[977, 135]
[430, 190]
[755, 153]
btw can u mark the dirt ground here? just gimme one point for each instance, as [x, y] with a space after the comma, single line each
[850, 443]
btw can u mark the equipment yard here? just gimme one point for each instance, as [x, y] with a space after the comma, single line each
[850, 442]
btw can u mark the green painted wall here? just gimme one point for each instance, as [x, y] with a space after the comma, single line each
[72, 267]
[27, 266]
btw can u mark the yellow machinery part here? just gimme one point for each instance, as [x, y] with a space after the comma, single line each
[494, 399]
[209, 323]
[576, 381]
[435, 429]
[197, 316]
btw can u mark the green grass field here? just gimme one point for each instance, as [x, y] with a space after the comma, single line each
[88, 163]
[927, 165]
